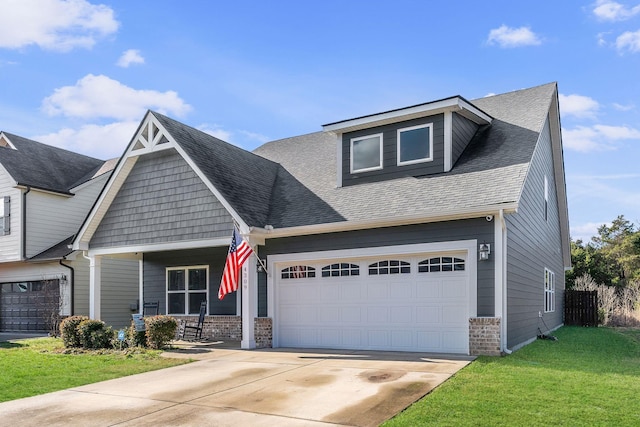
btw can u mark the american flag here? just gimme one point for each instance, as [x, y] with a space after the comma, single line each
[239, 252]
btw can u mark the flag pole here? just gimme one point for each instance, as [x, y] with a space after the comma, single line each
[262, 264]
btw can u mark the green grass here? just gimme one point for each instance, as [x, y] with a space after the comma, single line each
[590, 376]
[36, 366]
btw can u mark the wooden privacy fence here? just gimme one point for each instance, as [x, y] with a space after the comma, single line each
[581, 308]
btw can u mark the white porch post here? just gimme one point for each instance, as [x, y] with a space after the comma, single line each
[141, 286]
[249, 297]
[95, 285]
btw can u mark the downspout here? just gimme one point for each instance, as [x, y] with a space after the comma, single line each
[503, 261]
[24, 223]
[72, 273]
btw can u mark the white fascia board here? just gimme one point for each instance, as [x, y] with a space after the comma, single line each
[450, 104]
[6, 138]
[160, 247]
[453, 214]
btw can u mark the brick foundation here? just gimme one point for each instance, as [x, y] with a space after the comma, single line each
[230, 328]
[484, 336]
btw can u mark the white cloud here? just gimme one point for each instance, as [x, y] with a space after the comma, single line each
[131, 56]
[597, 138]
[103, 142]
[253, 136]
[628, 41]
[100, 96]
[507, 37]
[621, 107]
[607, 10]
[58, 25]
[217, 131]
[585, 231]
[578, 106]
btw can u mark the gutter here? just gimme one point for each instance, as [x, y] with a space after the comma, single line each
[24, 223]
[72, 273]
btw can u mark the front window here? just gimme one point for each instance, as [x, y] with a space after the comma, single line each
[186, 289]
[366, 153]
[415, 144]
[549, 291]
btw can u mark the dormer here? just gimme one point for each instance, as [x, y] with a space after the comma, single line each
[420, 140]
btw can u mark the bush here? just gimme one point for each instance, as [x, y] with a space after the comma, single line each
[160, 330]
[94, 334]
[69, 331]
[136, 338]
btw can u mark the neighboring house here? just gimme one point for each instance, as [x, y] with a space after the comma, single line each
[45, 194]
[440, 227]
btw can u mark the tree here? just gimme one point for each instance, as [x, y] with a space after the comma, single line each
[619, 245]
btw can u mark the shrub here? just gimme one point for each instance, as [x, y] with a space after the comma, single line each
[136, 338]
[69, 331]
[160, 330]
[94, 334]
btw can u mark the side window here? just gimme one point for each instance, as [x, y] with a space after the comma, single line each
[415, 144]
[366, 153]
[186, 289]
[546, 198]
[5, 215]
[549, 291]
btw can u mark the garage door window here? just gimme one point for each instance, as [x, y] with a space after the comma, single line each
[434, 265]
[340, 269]
[298, 272]
[389, 267]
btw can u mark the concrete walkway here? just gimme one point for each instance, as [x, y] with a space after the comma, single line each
[233, 387]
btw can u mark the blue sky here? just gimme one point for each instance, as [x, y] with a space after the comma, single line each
[80, 74]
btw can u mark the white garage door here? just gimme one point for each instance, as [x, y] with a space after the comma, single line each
[417, 303]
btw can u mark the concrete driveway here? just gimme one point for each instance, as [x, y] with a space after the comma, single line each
[231, 387]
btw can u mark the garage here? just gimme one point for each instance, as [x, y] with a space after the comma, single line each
[393, 302]
[27, 306]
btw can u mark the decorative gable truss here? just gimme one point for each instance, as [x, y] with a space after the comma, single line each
[150, 137]
[5, 142]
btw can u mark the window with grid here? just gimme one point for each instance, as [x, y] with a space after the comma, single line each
[298, 272]
[389, 267]
[549, 291]
[444, 263]
[186, 289]
[340, 269]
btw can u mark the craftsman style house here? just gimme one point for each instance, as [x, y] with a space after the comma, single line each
[440, 227]
[45, 194]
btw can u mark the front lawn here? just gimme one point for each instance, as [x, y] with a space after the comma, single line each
[590, 376]
[36, 366]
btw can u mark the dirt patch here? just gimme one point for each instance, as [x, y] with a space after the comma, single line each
[381, 376]
[390, 399]
[315, 381]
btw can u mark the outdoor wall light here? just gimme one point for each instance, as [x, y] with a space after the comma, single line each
[484, 250]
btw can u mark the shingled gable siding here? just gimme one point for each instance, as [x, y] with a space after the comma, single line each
[155, 278]
[463, 130]
[478, 229]
[162, 200]
[390, 168]
[532, 245]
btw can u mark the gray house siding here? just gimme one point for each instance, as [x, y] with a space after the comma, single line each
[155, 276]
[533, 244]
[477, 228]
[162, 200]
[390, 168]
[463, 130]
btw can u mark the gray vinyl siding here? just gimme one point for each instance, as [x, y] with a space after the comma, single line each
[463, 130]
[532, 245]
[155, 282]
[390, 168]
[161, 201]
[118, 291]
[478, 229]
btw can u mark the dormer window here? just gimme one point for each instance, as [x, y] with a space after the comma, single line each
[415, 144]
[366, 153]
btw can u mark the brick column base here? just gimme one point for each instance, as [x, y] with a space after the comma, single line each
[484, 336]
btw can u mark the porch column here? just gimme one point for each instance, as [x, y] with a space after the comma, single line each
[249, 302]
[95, 285]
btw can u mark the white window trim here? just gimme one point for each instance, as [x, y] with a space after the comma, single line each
[549, 291]
[360, 138]
[546, 198]
[423, 160]
[186, 287]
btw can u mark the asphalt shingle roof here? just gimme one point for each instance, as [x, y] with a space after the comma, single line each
[491, 171]
[45, 167]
